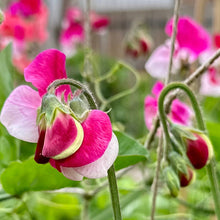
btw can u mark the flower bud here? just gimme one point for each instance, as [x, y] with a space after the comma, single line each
[61, 134]
[178, 162]
[199, 151]
[187, 179]
[172, 181]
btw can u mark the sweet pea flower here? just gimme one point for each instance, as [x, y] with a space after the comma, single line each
[180, 112]
[29, 17]
[25, 23]
[77, 148]
[73, 33]
[191, 40]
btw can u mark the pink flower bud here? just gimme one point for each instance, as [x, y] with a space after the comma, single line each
[199, 151]
[187, 179]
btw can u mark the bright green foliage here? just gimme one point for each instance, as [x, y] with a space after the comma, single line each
[130, 151]
[26, 176]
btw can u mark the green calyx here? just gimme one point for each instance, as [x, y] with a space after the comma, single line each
[47, 113]
[172, 181]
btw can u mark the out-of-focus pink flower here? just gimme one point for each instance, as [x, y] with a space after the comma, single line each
[158, 63]
[98, 22]
[191, 40]
[25, 20]
[180, 112]
[75, 148]
[210, 80]
[190, 35]
[73, 34]
[25, 23]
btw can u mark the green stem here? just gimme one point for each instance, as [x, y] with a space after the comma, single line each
[211, 170]
[126, 92]
[114, 193]
[52, 87]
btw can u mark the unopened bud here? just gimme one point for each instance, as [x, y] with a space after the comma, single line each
[172, 181]
[199, 151]
[187, 179]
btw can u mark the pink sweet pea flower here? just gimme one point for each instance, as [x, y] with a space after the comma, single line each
[76, 149]
[28, 17]
[180, 112]
[191, 40]
[190, 35]
[98, 22]
[73, 33]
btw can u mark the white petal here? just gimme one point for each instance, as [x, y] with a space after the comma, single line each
[19, 113]
[209, 88]
[99, 168]
[71, 173]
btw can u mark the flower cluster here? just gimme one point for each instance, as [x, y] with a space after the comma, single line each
[77, 147]
[25, 23]
[73, 32]
[191, 40]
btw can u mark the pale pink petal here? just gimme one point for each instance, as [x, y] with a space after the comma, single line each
[48, 66]
[157, 88]
[97, 135]
[190, 35]
[158, 63]
[208, 87]
[180, 113]
[150, 110]
[71, 173]
[99, 168]
[19, 113]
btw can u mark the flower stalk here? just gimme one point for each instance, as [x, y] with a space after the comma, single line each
[211, 169]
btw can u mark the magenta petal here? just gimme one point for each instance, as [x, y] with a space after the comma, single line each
[150, 110]
[97, 135]
[180, 113]
[60, 135]
[48, 66]
[19, 113]
[39, 158]
[99, 168]
[190, 35]
[158, 86]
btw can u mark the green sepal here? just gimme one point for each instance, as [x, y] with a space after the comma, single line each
[182, 131]
[178, 162]
[79, 107]
[178, 144]
[172, 181]
[49, 106]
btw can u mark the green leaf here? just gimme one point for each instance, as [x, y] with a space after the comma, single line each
[130, 151]
[25, 176]
[124, 202]
[6, 84]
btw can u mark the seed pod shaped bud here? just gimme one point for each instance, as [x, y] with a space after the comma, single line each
[172, 181]
[187, 179]
[199, 151]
